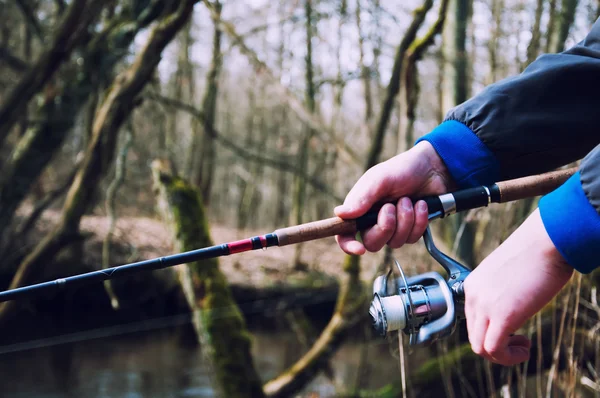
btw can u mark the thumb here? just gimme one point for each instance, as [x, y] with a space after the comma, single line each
[371, 188]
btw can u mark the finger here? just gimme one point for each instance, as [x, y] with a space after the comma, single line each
[477, 333]
[350, 245]
[421, 220]
[405, 219]
[369, 189]
[497, 348]
[519, 340]
[376, 237]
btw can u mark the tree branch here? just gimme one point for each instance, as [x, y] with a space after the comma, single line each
[30, 18]
[14, 62]
[229, 144]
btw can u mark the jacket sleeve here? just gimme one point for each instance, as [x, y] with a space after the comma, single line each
[571, 215]
[541, 119]
[544, 118]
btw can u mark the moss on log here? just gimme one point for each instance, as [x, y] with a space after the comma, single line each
[218, 321]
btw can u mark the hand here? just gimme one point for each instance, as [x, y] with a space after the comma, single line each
[509, 287]
[418, 171]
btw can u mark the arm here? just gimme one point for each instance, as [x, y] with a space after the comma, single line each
[541, 119]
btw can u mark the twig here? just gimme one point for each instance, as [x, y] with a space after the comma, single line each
[573, 332]
[14, 62]
[111, 194]
[556, 353]
[402, 364]
[47, 201]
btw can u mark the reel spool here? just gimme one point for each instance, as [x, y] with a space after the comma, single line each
[426, 307]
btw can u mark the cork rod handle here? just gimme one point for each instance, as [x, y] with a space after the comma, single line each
[508, 191]
[315, 230]
[527, 187]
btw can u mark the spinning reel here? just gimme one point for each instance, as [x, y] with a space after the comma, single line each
[426, 307]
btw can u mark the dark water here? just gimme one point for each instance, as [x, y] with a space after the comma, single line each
[162, 362]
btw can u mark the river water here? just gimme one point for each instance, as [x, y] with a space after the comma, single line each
[163, 361]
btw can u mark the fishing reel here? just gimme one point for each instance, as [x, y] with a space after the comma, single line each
[426, 307]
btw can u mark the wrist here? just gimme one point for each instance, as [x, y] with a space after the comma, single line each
[467, 159]
[437, 169]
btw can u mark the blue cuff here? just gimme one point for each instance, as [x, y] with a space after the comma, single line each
[572, 224]
[468, 160]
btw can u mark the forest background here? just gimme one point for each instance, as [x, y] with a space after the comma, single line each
[132, 129]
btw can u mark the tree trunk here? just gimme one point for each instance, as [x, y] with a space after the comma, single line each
[533, 49]
[564, 22]
[550, 25]
[494, 43]
[219, 324]
[411, 75]
[365, 72]
[456, 91]
[209, 105]
[300, 183]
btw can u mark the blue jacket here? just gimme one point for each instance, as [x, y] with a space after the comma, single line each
[544, 118]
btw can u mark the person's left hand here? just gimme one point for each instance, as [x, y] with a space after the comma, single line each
[509, 287]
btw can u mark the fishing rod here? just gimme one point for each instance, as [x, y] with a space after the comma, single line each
[425, 306]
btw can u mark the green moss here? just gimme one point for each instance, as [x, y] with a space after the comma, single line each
[222, 327]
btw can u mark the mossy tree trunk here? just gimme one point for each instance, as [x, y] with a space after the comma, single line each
[218, 321]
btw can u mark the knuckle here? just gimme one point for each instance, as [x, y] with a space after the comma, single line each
[492, 348]
[372, 246]
[477, 348]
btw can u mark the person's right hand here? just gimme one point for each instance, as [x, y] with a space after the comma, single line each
[416, 172]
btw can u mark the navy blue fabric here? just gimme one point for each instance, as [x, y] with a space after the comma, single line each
[468, 160]
[572, 224]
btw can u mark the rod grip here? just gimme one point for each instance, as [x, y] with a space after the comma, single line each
[317, 230]
[526, 187]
